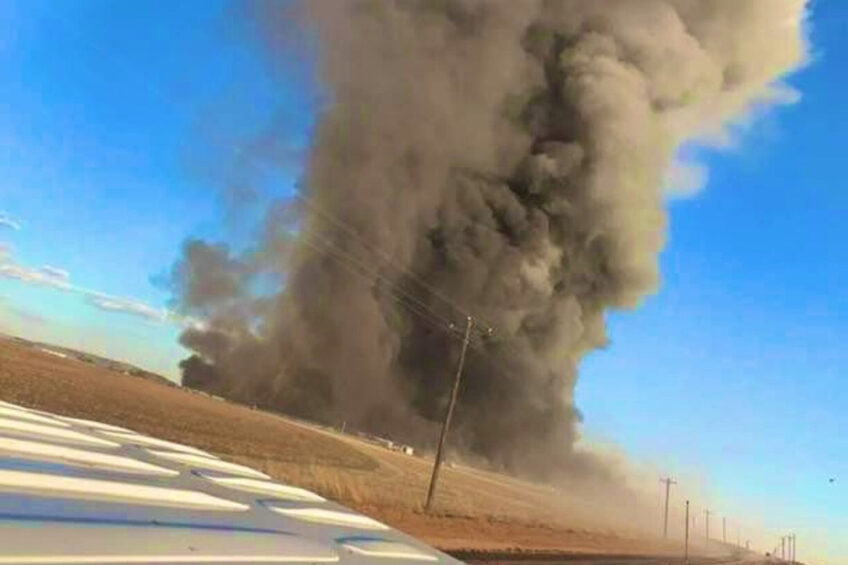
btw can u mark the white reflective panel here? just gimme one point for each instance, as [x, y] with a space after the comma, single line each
[96, 425]
[265, 487]
[48, 543]
[50, 485]
[208, 463]
[54, 433]
[147, 441]
[80, 457]
[23, 414]
[329, 517]
[386, 549]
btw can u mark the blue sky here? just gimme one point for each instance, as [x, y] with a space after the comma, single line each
[731, 374]
[110, 116]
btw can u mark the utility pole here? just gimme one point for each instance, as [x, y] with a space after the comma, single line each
[707, 512]
[724, 530]
[448, 415]
[668, 481]
[686, 536]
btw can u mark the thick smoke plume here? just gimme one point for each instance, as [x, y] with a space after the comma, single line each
[500, 158]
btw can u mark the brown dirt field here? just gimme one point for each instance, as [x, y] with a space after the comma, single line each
[476, 509]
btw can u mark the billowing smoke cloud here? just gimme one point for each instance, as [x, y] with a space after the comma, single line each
[500, 158]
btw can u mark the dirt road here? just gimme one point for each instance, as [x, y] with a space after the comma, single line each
[473, 558]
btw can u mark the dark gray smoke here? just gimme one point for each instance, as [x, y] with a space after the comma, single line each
[503, 158]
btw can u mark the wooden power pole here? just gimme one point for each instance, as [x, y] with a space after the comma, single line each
[668, 481]
[448, 415]
[707, 513]
[686, 536]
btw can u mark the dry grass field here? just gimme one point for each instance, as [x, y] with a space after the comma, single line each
[475, 509]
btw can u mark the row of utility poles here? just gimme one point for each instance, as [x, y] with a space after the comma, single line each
[787, 543]
[787, 548]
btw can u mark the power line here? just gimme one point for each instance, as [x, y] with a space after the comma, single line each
[476, 342]
[338, 222]
[427, 314]
[373, 272]
[354, 267]
[434, 319]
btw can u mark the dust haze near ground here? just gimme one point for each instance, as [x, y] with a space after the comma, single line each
[474, 509]
[513, 156]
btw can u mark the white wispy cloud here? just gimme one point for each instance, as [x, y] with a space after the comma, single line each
[60, 279]
[56, 273]
[6, 221]
[41, 276]
[127, 306]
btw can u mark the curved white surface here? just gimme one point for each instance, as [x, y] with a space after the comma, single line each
[386, 549]
[96, 425]
[203, 462]
[80, 457]
[48, 484]
[329, 517]
[267, 488]
[147, 441]
[24, 414]
[24, 543]
[129, 505]
[53, 433]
